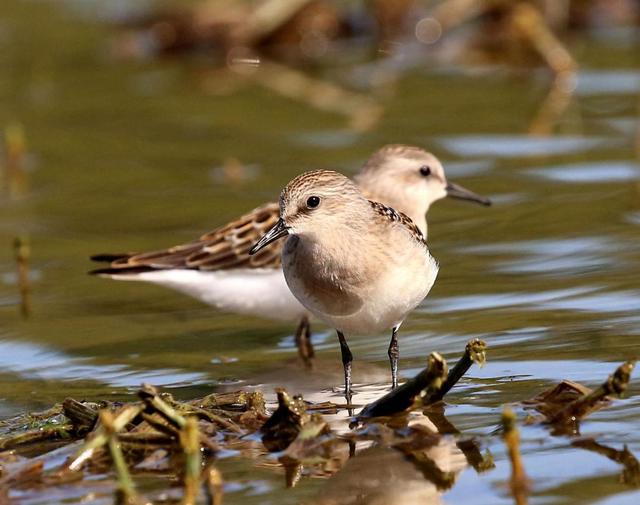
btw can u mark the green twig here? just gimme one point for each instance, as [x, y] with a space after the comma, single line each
[190, 441]
[126, 492]
[101, 438]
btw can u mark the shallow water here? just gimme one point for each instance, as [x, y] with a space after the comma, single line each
[130, 156]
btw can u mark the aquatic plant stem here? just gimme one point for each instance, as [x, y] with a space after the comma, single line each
[101, 438]
[125, 493]
[615, 385]
[474, 352]
[213, 486]
[519, 483]
[23, 253]
[149, 395]
[190, 441]
[15, 160]
[404, 397]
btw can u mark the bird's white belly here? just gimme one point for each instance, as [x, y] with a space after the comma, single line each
[385, 303]
[259, 292]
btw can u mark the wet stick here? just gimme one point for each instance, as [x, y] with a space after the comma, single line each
[194, 410]
[23, 252]
[426, 383]
[125, 493]
[469, 447]
[238, 401]
[82, 416]
[145, 439]
[405, 396]
[615, 385]
[151, 398]
[518, 483]
[190, 442]
[159, 425]
[631, 467]
[101, 437]
[30, 473]
[213, 486]
[285, 423]
[36, 436]
[292, 471]
[149, 395]
[474, 352]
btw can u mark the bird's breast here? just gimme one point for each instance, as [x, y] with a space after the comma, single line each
[320, 280]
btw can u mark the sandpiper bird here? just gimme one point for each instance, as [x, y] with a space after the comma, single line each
[217, 269]
[358, 265]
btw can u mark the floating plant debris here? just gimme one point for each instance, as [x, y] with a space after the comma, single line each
[181, 440]
[429, 386]
[564, 405]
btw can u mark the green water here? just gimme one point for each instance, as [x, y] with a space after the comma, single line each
[126, 155]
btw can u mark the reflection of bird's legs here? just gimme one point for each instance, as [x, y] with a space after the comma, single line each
[303, 342]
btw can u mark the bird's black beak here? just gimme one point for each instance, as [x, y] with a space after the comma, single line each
[456, 191]
[278, 231]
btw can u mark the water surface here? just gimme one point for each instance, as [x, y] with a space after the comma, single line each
[131, 155]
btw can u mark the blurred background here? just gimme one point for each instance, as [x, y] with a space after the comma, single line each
[138, 125]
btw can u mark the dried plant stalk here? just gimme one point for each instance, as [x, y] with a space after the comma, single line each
[519, 483]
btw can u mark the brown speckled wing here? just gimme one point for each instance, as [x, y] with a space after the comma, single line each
[224, 248]
[394, 216]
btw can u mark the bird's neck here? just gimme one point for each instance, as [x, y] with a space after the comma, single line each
[413, 206]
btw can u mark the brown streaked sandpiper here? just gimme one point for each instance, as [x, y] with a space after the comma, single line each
[216, 268]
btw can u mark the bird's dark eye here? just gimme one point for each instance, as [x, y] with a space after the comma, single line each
[313, 202]
[425, 170]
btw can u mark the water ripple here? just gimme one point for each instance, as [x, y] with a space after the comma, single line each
[502, 300]
[512, 146]
[605, 171]
[31, 361]
[611, 82]
[609, 302]
[634, 217]
[552, 256]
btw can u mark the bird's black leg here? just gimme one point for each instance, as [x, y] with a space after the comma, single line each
[394, 354]
[347, 358]
[303, 342]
